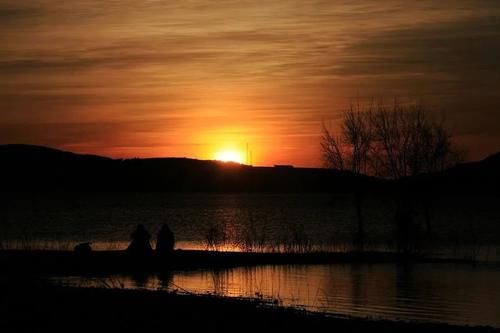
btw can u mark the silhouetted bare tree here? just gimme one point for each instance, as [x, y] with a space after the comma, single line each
[407, 141]
[390, 141]
[349, 150]
[393, 141]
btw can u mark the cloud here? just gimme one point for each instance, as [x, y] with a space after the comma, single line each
[268, 71]
[69, 63]
[464, 50]
[12, 13]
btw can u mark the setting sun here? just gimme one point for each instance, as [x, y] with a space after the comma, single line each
[230, 156]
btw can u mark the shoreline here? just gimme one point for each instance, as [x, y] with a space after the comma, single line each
[65, 308]
[30, 302]
[114, 262]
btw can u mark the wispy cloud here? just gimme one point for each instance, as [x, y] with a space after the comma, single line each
[117, 76]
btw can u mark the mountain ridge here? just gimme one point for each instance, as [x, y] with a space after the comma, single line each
[31, 167]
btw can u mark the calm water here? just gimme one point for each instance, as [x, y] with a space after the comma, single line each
[458, 294]
[450, 293]
[52, 220]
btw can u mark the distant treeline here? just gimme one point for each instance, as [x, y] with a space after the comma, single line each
[26, 168]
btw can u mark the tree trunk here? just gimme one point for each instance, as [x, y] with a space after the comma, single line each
[359, 238]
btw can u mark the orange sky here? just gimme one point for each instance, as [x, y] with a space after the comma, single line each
[190, 78]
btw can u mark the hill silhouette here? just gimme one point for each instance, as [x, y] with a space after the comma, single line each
[474, 177]
[28, 167]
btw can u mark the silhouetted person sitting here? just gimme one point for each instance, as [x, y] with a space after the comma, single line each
[165, 241]
[83, 248]
[140, 242]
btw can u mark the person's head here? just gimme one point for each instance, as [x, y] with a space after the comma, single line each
[140, 231]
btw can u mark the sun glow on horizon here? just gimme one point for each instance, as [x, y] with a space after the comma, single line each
[230, 156]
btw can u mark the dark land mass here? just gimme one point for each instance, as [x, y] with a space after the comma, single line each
[34, 168]
[472, 177]
[44, 262]
[28, 306]
[38, 168]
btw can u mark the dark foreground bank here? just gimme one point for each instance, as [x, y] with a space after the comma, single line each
[36, 306]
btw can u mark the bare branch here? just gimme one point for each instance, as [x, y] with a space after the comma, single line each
[389, 141]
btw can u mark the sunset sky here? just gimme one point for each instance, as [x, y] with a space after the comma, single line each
[139, 78]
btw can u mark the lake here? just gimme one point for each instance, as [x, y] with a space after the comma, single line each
[462, 226]
[451, 293]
